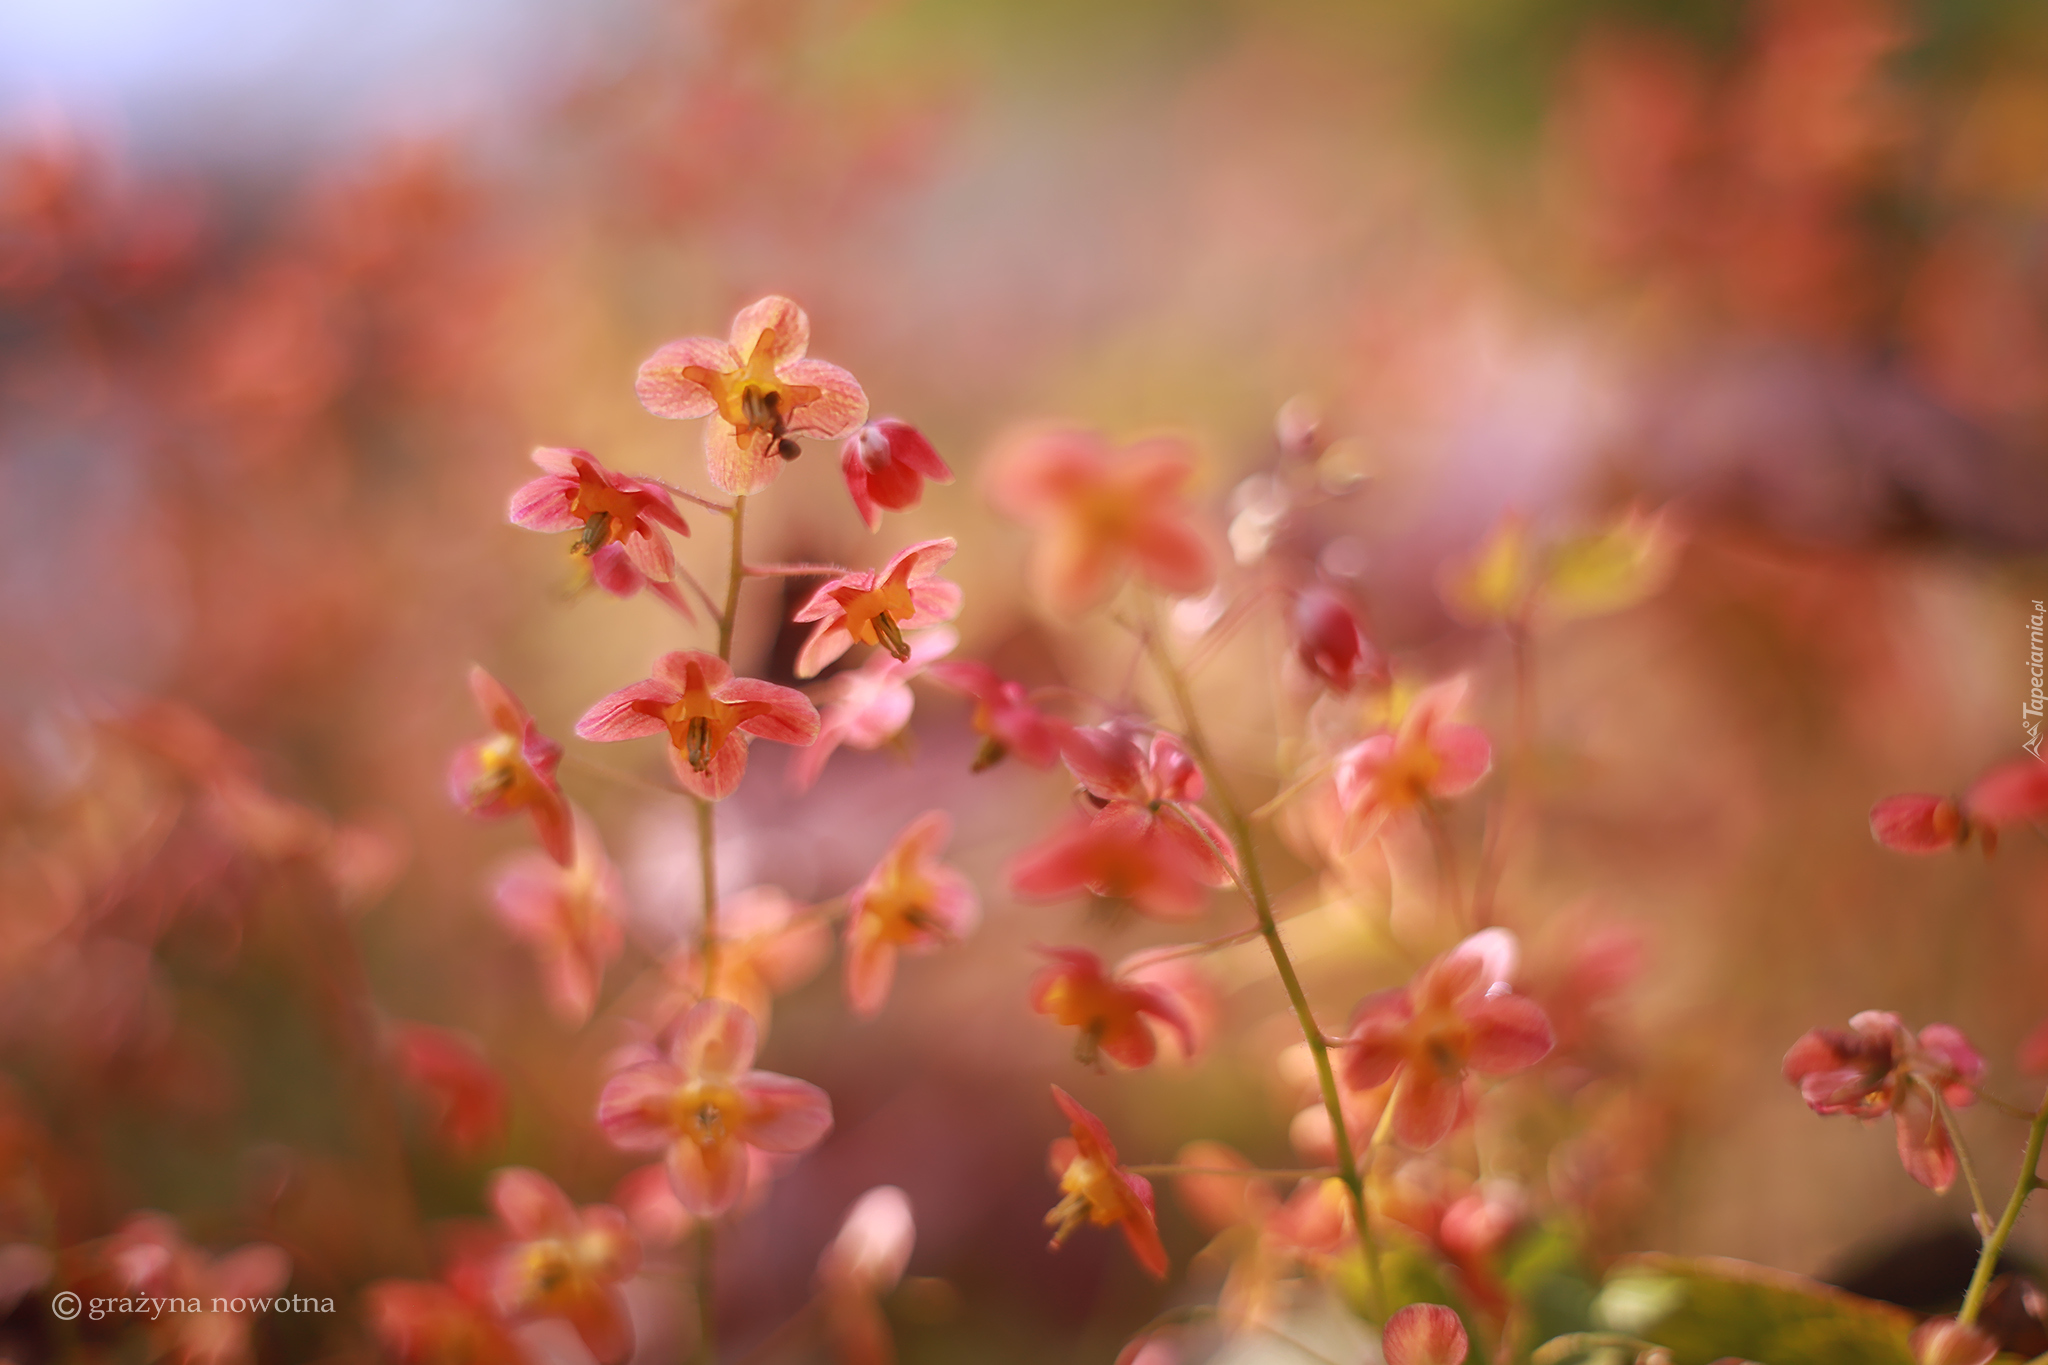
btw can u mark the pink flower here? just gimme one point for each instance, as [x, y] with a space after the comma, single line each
[1004, 716]
[1424, 1334]
[864, 1262]
[617, 518]
[1112, 1010]
[1877, 1066]
[569, 916]
[148, 1256]
[866, 707]
[707, 1107]
[886, 463]
[419, 1322]
[710, 717]
[565, 1263]
[909, 903]
[875, 606]
[2013, 793]
[513, 770]
[1095, 1188]
[1101, 512]
[465, 1096]
[1457, 1016]
[1427, 757]
[1329, 643]
[767, 946]
[758, 389]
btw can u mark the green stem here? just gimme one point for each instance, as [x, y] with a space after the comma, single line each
[736, 574]
[1994, 1241]
[1955, 1138]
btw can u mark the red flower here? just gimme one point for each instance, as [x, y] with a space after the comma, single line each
[1424, 1334]
[2013, 793]
[886, 463]
[1110, 1009]
[569, 915]
[875, 606]
[618, 518]
[866, 707]
[1877, 1066]
[910, 902]
[1427, 756]
[758, 390]
[513, 770]
[149, 1256]
[419, 1322]
[710, 717]
[564, 1262]
[1094, 1187]
[707, 1107]
[1329, 643]
[464, 1094]
[1004, 716]
[1457, 1016]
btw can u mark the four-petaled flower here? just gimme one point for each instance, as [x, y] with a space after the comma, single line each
[1457, 1016]
[1878, 1066]
[2013, 793]
[1101, 511]
[1004, 716]
[910, 903]
[875, 606]
[513, 770]
[569, 916]
[1095, 1188]
[1112, 1009]
[886, 463]
[1424, 1334]
[1426, 757]
[866, 707]
[710, 717]
[757, 388]
[706, 1106]
[617, 518]
[566, 1263]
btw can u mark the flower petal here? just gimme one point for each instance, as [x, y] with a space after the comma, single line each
[716, 1038]
[783, 1114]
[636, 1109]
[1916, 823]
[840, 407]
[791, 718]
[1424, 1334]
[789, 323]
[708, 1180]
[738, 467]
[629, 713]
[531, 1206]
[666, 391]
[1510, 1033]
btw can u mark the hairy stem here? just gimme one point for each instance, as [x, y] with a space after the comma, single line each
[1994, 1240]
[735, 574]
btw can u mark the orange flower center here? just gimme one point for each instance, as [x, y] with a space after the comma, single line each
[702, 1112]
[753, 398]
[699, 723]
[872, 613]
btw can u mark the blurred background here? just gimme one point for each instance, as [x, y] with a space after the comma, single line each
[288, 293]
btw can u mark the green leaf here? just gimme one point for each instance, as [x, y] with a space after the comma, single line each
[1707, 1309]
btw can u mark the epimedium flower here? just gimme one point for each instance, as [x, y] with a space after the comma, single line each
[513, 770]
[1426, 756]
[710, 717]
[569, 916]
[422, 1322]
[1329, 643]
[1004, 716]
[1113, 1010]
[618, 519]
[767, 946]
[867, 707]
[465, 1098]
[759, 390]
[863, 1263]
[1101, 512]
[2013, 793]
[886, 463]
[1879, 1066]
[911, 902]
[1458, 1016]
[707, 1107]
[875, 606]
[1095, 1188]
[148, 1255]
[562, 1262]
[1424, 1334]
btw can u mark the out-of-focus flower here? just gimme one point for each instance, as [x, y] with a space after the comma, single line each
[1101, 512]
[910, 903]
[865, 1262]
[569, 916]
[648, 1199]
[1330, 644]
[1517, 580]
[866, 707]
[886, 463]
[463, 1094]
[148, 1256]
[706, 1106]
[1004, 716]
[1110, 1009]
[1095, 1188]
[767, 946]
[1427, 756]
[563, 1262]
[2013, 793]
[421, 1322]
[513, 770]
[2033, 1058]
[1424, 1334]
[1457, 1016]
[618, 518]
[1946, 1341]
[710, 717]
[875, 606]
[757, 388]
[1879, 1066]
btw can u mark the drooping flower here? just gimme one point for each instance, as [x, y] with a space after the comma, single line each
[863, 1263]
[569, 916]
[563, 1262]
[1458, 1016]
[1879, 1066]
[465, 1098]
[1101, 512]
[1424, 1334]
[514, 770]
[1428, 756]
[910, 903]
[2013, 793]
[758, 389]
[875, 606]
[867, 707]
[886, 463]
[1112, 1010]
[706, 1106]
[1330, 644]
[767, 946]
[1095, 1188]
[422, 1322]
[618, 518]
[710, 717]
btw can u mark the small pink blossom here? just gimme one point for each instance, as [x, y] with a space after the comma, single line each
[149, 1256]
[565, 1262]
[1878, 1066]
[2013, 793]
[875, 606]
[1095, 1188]
[1115, 1011]
[569, 916]
[863, 1263]
[1424, 1334]
[886, 463]
[910, 903]
[465, 1096]
[768, 945]
[1004, 716]
[1329, 643]
[514, 770]
[709, 715]
[422, 1322]
[618, 519]
[1428, 756]
[867, 707]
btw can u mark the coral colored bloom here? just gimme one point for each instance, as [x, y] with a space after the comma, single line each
[1457, 1016]
[1946, 1341]
[1427, 756]
[1424, 1334]
[1004, 716]
[1878, 1066]
[1111, 1009]
[563, 1262]
[1330, 644]
[767, 946]
[514, 770]
[420, 1322]
[710, 717]
[2013, 793]
[569, 916]
[1100, 512]
[757, 388]
[866, 707]
[148, 1257]
[1095, 1188]
[705, 1105]
[618, 519]
[875, 606]
[466, 1097]
[886, 463]
[865, 1262]
[909, 903]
